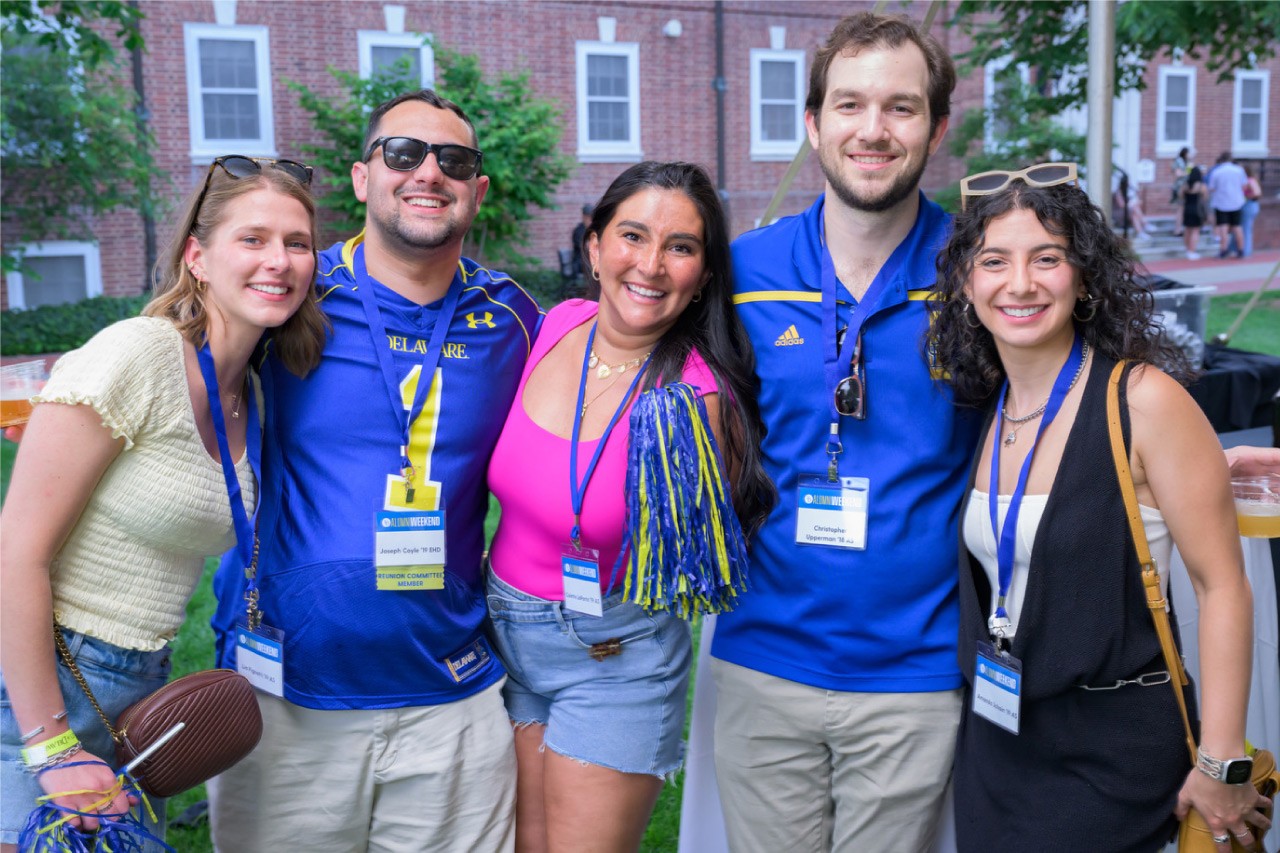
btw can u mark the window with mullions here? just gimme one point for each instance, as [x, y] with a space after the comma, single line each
[229, 90]
[777, 103]
[608, 77]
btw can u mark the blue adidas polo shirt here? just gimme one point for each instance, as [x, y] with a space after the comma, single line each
[883, 619]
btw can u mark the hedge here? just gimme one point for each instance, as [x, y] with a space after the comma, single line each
[59, 328]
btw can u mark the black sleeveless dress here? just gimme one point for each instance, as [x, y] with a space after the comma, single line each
[1088, 770]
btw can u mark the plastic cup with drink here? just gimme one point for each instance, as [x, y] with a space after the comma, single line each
[1258, 505]
[18, 383]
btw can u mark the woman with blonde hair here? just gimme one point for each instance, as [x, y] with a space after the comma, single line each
[139, 456]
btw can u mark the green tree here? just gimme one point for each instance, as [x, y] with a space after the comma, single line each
[73, 144]
[519, 134]
[1053, 36]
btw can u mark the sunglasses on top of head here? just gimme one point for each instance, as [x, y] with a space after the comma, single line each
[1040, 175]
[237, 166]
[404, 154]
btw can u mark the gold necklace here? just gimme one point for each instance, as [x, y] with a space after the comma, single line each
[604, 371]
[601, 394]
[235, 401]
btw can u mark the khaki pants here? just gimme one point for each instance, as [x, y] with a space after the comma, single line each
[437, 778]
[807, 770]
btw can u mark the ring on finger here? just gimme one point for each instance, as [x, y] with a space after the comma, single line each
[1221, 839]
[1244, 833]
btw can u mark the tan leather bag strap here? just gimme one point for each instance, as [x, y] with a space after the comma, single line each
[1150, 575]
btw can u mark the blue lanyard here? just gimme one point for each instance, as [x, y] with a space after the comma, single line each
[831, 352]
[430, 359]
[244, 526]
[1007, 536]
[578, 492]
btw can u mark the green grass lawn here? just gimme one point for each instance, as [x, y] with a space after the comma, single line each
[193, 647]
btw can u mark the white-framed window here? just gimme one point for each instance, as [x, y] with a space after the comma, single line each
[999, 76]
[56, 272]
[229, 90]
[608, 101]
[1249, 118]
[380, 49]
[777, 103]
[1175, 109]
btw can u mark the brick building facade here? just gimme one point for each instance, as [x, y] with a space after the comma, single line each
[644, 72]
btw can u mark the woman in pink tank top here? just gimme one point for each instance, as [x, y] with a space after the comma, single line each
[592, 634]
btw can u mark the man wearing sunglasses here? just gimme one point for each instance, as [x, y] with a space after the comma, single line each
[384, 728]
[837, 678]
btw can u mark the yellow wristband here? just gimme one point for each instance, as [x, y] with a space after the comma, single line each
[34, 756]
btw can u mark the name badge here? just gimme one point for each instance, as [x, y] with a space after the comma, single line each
[260, 657]
[581, 571]
[409, 550]
[997, 687]
[832, 514]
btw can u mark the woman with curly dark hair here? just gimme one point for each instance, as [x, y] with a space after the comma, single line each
[1038, 303]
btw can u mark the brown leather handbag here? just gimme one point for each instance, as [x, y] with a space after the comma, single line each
[1194, 835]
[221, 725]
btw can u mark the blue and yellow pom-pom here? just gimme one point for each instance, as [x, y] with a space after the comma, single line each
[687, 551]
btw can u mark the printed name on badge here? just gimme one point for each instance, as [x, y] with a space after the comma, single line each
[997, 687]
[832, 514]
[409, 550]
[260, 657]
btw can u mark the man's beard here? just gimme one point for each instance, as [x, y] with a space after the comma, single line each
[902, 188]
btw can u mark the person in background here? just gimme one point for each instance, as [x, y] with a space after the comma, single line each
[1193, 206]
[118, 492]
[1038, 303]
[1226, 182]
[1248, 213]
[598, 683]
[578, 238]
[1181, 167]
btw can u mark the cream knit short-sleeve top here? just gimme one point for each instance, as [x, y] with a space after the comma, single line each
[131, 562]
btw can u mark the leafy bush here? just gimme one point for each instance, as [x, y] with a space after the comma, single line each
[58, 328]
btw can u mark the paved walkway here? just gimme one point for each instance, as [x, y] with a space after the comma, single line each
[1229, 276]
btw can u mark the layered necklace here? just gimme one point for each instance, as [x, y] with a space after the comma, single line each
[1018, 423]
[603, 371]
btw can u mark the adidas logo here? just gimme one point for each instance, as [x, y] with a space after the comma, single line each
[789, 338]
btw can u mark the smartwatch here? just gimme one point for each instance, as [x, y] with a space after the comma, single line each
[1232, 771]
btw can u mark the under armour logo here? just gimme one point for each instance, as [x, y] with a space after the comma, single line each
[474, 321]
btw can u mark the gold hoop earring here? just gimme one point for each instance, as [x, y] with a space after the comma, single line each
[1090, 303]
[970, 319]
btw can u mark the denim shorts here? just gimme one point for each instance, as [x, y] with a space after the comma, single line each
[625, 712]
[118, 678]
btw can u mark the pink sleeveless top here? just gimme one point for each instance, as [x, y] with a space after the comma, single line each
[529, 475]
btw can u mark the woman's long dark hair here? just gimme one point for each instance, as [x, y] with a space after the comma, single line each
[1121, 328]
[711, 327]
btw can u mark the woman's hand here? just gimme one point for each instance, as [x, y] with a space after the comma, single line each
[1229, 810]
[1253, 461]
[83, 781]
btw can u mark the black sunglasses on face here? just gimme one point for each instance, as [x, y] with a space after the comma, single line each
[238, 167]
[404, 154]
[851, 392]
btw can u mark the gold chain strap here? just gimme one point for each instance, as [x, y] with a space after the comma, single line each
[65, 654]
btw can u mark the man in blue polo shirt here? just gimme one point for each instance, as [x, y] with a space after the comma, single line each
[837, 681]
[384, 724]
